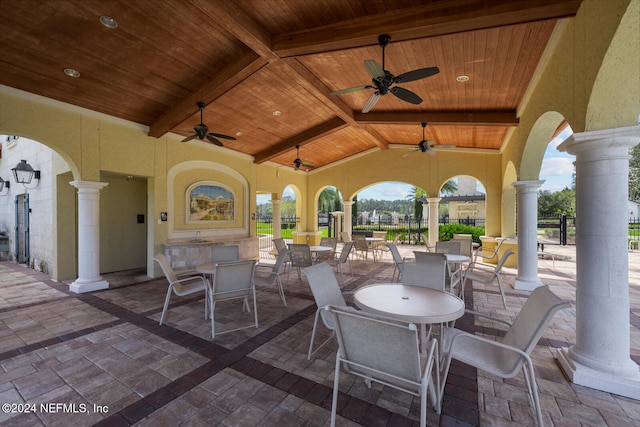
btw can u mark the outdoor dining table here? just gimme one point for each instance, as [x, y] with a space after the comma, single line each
[371, 241]
[409, 303]
[316, 250]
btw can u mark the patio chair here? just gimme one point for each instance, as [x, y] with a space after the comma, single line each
[345, 258]
[425, 240]
[448, 247]
[345, 237]
[329, 255]
[326, 291]
[429, 270]
[274, 274]
[180, 286]
[466, 246]
[385, 247]
[505, 358]
[361, 246]
[364, 351]
[491, 256]
[233, 280]
[280, 244]
[299, 257]
[398, 261]
[221, 253]
[486, 275]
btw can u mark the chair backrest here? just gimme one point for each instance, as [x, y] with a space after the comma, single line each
[221, 253]
[502, 260]
[529, 325]
[395, 253]
[380, 234]
[167, 270]
[300, 255]
[425, 239]
[360, 242]
[346, 251]
[429, 271]
[463, 236]
[280, 244]
[466, 246]
[233, 279]
[346, 238]
[282, 258]
[325, 289]
[329, 241]
[364, 340]
[396, 239]
[448, 247]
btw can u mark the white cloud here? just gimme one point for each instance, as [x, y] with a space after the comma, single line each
[556, 166]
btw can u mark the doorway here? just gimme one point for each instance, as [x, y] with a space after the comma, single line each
[22, 229]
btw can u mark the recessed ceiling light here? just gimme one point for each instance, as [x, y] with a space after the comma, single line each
[238, 133]
[71, 72]
[276, 113]
[108, 22]
[462, 78]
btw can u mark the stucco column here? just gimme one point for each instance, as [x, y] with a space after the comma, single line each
[434, 203]
[89, 278]
[348, 204]
[276, 218]
[527, 194]
[600, 358]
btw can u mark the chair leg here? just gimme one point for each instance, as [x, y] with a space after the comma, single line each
[530, 379]
[212, 307]
[166, 305]
[504, 300]
[284, 300]
[334, 400]
[313, 336]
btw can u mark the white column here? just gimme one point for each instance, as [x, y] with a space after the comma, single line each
[600, 358]
[527, 193]
[434, 203]
[348, 213]
[89, 278]
[276, 218]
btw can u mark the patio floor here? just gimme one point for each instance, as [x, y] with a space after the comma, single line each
[101, 358]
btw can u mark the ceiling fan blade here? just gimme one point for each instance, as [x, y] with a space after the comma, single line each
[406, 95]
[214, 141]
[411, 152]
[189, 138]
[308, 165]
[418, 74]
[351, 89]
[373, 68]
[371, 102]
[220, 135]
[443, 147]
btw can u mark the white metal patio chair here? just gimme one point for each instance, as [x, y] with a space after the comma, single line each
[221, 253]
[299, 257]
[448, 247]
[365, 350]
[509, 356]
[481, 256]
[274, 274]
[397, 260]
[486, 275]
[326, 291]
[180, 286]
[429, 270]
[345, 257]
[233, 280]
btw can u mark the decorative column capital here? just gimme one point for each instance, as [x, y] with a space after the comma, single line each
[276, 201]
[531, 186]
[88, 186]
[347, 202]
[599, 144]
[434, 200]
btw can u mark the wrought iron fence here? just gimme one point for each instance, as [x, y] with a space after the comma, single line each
[634, 233]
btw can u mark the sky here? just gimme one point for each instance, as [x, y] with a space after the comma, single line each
[556, 171]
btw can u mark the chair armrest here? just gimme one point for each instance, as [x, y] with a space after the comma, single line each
[495, 319]
[474, 267]
[466, 335]
[191, 278]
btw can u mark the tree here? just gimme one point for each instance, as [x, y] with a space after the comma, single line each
[634, 173]
[415, 194]
[329, 200]
[554, 203]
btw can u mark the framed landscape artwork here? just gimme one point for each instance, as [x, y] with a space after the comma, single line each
[209, 202]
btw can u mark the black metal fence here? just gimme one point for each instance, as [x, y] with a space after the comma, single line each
[634, 233]
[559, 230]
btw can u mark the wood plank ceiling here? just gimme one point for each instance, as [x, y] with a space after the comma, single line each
[265, 69]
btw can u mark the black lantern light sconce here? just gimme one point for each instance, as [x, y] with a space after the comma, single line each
[23, 174]
[4, 184]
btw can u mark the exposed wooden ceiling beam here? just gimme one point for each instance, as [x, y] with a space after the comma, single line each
[305, 137]
[455, 118]
[225, 80]
[431, 19]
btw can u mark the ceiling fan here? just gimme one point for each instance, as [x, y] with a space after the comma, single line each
[429, 146]
[297, 162]
[201, 131]
[383, 80]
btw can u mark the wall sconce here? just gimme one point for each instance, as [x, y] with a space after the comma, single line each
[4, 184]
[23, 173]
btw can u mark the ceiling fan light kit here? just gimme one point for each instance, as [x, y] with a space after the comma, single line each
[383, 80]
[297, 163]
